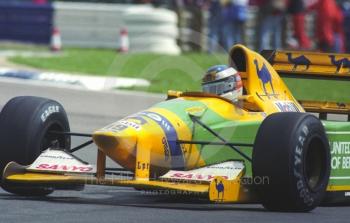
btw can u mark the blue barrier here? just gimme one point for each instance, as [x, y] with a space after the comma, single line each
[26, 22]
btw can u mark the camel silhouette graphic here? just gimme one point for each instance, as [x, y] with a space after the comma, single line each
[300, 60]
[265, 76]
[220, 189]
[344, 62]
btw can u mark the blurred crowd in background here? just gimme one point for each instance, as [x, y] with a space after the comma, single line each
[293, 24]
[278, 23]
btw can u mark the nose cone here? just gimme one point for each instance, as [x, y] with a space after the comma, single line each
[120, 148]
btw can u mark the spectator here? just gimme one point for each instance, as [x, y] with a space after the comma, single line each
[271, 15]
[234, 18]
[195, 7]
[329, 26]
[338, 25]
[346, 13]
[214, 23]
[297, 10]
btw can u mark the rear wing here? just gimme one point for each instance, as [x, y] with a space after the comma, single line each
[319, 81]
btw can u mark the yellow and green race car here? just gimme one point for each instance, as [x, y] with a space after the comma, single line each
[264, 149]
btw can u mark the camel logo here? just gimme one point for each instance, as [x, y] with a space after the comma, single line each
[265, 76]
[344, 62]
[220, 189]
[299, 61]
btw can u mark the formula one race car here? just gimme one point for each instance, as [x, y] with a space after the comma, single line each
[265, 149]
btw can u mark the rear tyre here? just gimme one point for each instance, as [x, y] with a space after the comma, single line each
[292, 156]
[25, 126]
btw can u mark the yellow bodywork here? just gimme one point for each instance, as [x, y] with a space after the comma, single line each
[18, 174]
[326, 107]
[313, 64]
[265, 97]
[261, 93]
[141, 149]
[319, 63]
[233, 191]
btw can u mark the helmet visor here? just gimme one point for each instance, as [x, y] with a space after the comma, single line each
[220, 87]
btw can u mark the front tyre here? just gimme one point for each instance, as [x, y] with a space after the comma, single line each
[26, 124]
[291, 151]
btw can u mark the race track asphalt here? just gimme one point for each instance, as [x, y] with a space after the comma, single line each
[90, 110]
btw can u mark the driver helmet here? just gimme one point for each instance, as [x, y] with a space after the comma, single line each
[223, 81]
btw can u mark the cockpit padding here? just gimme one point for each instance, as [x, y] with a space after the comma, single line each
[238, 59]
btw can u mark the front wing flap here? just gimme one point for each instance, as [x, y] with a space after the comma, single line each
[229, 191]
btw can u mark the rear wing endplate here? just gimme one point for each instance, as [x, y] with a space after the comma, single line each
[319, 81]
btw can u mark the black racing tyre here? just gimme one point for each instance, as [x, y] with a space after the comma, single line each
[25, 126]
[291, 159]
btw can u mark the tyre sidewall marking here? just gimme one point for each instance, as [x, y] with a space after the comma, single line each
[49, 110]
[300, 149]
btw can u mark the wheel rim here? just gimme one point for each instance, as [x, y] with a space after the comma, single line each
[315, 163]
[49, 138]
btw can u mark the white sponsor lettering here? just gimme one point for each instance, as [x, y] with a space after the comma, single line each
[64, 168]
[346, 162]
[158, 118]
[131, 124]
[60, 161]
[335, 162]
[228, 170]
[114, 127]
[340, 148]
[154, 117]
[340, 152]
[286, 106]
[50, 110]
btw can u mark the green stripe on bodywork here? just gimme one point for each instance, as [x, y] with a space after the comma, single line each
[238, 131]
[339, 138]
[234, 131]
[179, 107]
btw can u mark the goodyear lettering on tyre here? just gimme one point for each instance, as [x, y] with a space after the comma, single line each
[303, 191]
[48, 111]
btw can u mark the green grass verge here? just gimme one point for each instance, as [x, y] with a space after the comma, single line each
[164, 71]
[319, 90]
[7, 45]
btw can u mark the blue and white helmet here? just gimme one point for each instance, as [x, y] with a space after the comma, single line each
[224, 81]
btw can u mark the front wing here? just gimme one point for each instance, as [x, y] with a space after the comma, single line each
[232, 190]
